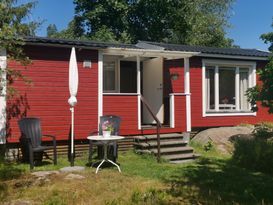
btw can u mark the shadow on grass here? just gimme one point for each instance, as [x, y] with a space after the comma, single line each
[216, 181]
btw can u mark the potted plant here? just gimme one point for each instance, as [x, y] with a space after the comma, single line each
[107, 128]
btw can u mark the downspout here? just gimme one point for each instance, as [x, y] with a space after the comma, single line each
[188, 98]
[3, 91]
[100, 86]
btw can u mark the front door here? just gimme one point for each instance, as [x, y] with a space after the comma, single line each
[153, 89]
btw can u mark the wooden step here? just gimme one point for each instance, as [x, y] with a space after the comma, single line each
[162, 143]
[173, 150]
[180, 156]
[162, 137]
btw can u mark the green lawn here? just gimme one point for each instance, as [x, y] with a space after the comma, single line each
[212, 179]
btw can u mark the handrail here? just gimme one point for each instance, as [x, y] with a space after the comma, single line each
[158, 125]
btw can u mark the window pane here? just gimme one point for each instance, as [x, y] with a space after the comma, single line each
[244, 105]
[109, 76]
[128, 77]
[210, 104]
[226, 88]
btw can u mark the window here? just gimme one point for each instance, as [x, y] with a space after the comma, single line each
[109, 76]
[225, 86]
[119, 76]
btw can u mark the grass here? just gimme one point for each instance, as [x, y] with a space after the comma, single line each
[212, 179]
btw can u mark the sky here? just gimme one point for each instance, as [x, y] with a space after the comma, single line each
[249, 19]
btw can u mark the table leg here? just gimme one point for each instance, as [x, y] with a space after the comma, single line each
[104, 157]
[100, 165]
[114, 164]
[105, 145]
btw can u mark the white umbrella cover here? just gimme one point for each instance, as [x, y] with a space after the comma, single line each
[73, 89]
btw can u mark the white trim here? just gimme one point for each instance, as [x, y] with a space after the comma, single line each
[230, 114]
[100, 86]
[3, 103]
[237, 89]
[139, 93]
[234, 63]
[232, 57]
[172, 111]
[180, 94]
[216, 88]
[187, 90]
[204, 97]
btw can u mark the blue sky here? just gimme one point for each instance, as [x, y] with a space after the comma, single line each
[249, 19]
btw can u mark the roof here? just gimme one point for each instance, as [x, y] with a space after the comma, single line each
[147, 45]
[69, 42]
[210, 50]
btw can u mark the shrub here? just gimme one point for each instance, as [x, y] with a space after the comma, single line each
[255, 153]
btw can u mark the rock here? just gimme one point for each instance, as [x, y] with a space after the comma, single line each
[44, 174]
[72, 169]
[19, 202]
[220, 137]
[74, 176]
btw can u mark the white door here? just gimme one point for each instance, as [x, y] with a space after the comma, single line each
[153, 89]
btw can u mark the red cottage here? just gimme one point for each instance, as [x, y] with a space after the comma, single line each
[186, 87]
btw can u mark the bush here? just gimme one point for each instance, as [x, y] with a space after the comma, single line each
[255, 153]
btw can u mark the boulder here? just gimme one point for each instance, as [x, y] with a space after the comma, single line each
[221, 137]
[74, 176]
[44, 174]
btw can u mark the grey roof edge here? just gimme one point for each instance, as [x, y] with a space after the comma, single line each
[146, 45]
[213, 50]
[74, 42]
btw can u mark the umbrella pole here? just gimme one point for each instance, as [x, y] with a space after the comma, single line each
[72, 137]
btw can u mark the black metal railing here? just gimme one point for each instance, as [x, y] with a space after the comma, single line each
[158, 125]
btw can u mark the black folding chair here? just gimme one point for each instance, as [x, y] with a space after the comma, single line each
[113, 147]
[31, 140]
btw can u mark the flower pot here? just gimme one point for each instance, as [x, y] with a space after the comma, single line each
[106, 133]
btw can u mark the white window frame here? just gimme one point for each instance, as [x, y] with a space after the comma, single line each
[117, 77]
[236, 64]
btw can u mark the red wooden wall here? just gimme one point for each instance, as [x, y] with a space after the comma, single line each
[47, 96]
[126, 107]
[196, 102]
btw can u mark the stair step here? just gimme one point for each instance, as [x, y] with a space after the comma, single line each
[180, 156]
[173, 149]
[143, 151]
[162, 136]
[163, 143]
[181, 161]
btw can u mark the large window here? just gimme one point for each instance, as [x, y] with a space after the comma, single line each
[225, 86]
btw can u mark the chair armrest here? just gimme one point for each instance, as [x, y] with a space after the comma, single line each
[53, 139]
[51, 136]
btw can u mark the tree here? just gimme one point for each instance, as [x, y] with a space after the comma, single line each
[268, 38]
[199, 22]
[71, 32]
[13, 27]
[264, 92]
[51, 30]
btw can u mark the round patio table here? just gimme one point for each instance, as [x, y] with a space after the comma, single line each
[105, 141]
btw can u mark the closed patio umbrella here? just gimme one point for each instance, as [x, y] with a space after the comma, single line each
[73, 89]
